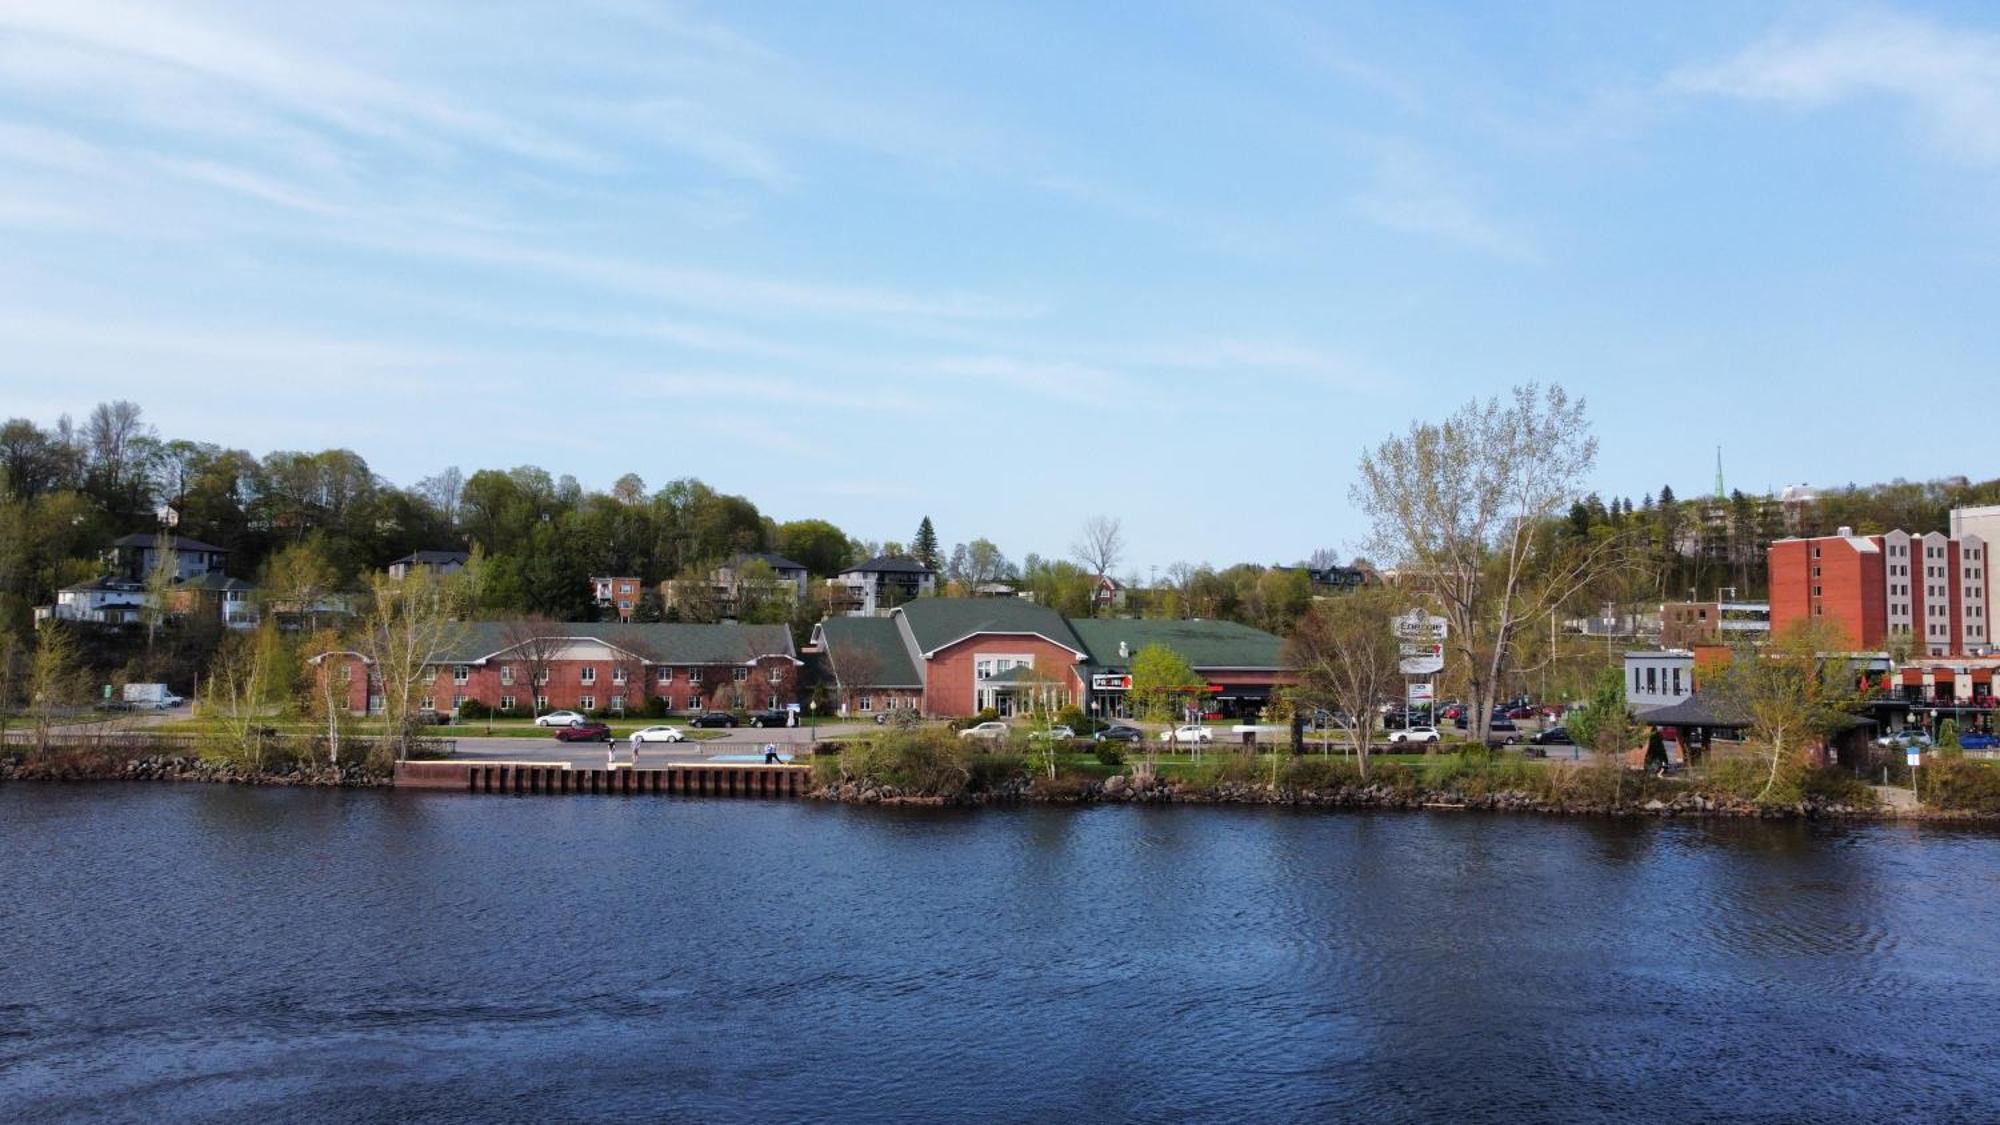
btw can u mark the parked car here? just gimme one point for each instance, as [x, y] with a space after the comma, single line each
[1501, 725]
[1908, 736]
[1120, 732]
[658, 734]
[776, 717]
[713, 719]
[585, 732]
[1059, 733]
[991, 731]
[1553, 736]
[1187, 736]
[1976, 741]
[1413, 735]
[560, 719]
[1520, 713]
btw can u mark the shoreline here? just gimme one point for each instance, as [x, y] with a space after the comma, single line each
[1068, 790]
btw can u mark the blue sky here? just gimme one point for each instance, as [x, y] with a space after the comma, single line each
[1009, 265]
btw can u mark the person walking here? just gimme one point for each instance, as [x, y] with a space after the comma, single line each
[770, 753]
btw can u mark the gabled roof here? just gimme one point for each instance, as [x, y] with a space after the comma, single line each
[433, 558]
[889, 564]
[938, 622]
[880, 645]
[654, 643]
[107, 582]
[148, 540]
[1203, 644]
[214, 581]
[774, 561]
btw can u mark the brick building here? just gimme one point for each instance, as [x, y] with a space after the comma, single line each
[611, 667]
[954, 657]
[1931, 591]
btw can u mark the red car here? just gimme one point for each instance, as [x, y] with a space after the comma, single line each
[585, 732]
[1521, 713]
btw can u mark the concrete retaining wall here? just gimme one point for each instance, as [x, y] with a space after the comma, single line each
[543, 778]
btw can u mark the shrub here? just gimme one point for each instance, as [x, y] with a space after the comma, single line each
[1072, 717]
[1108, 754]
[1320, 774]
[1953, 781]
[472, 710]
[987, 716]
[656, 708]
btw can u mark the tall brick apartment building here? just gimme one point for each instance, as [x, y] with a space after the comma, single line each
[1933, 590]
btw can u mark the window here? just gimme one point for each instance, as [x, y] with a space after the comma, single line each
[587, 702]
[507, 676]
[541, 677]
[588, 675]
[541, 702]
[777, 675]
[618, 702]
[1677, 681]
[618, 674]
[347, 673]
[742, 674]
[424, 704]
[666, 675]
[506, 703]
[1652, 681]
[457, 701]
[694, 675]
[865, 703]
[461, 674]
[1816, 590]
[1815, 572]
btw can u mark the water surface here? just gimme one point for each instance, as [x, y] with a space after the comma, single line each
[175, 952]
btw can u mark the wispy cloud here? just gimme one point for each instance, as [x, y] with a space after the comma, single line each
[1948, 77]
[1413, 192]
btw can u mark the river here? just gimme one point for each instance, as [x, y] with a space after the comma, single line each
[203, 952]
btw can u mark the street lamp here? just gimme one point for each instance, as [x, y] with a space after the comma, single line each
[812, 709]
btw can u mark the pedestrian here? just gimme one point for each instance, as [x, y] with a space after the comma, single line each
[770, 753]
[611, 755]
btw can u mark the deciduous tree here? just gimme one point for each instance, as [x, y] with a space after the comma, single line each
[1466, 509]
[1800, 687]
[1346, 654]
[408, 628]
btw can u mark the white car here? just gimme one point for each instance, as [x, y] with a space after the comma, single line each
[1058, 732]
[1413, 734]
[560, 719]
[1188, 735]
[658, 734]
[995, 732]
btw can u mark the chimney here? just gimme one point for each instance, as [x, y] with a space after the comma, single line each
[1844, 531]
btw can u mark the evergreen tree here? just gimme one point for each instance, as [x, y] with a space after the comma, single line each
[924, 548]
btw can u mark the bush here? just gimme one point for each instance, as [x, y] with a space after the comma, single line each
[1108, 754]
[472, 710]
[1073, 718]
[656, 708]
[929, 762]
[1953, 781]
[1311, 775]
[987, 716]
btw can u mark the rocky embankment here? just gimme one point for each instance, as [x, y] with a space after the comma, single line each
[1123, 789]
[116, 767]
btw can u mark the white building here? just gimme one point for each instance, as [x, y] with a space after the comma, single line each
[1656, 678]
[103, 600]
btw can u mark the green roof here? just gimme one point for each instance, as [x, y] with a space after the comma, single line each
[938, 622]
[878, 644]
[659, 643]
[1203, 644]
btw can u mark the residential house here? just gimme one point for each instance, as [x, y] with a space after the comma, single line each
[437, 562]
[620, 595]
[880, 584]
[106, 600]
[231, 602]
[134, 557]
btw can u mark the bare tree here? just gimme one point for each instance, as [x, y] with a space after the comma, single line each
[444, 493]
[1798, 688]
[1347, 660]
[55, 680]
[855, 670]
[1102, 546]
[408, 630]
[1465, 510]
[532, 645]
[160, 580]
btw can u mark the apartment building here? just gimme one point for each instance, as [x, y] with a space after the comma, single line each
[1931, 591]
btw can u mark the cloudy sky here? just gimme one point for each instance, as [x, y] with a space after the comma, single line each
[1009, 265]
